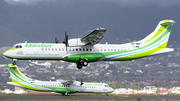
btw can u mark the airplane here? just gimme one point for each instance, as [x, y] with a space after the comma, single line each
[60, 86]
[86, 50]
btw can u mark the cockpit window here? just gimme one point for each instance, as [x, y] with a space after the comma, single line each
[17, 46]
[106, 85]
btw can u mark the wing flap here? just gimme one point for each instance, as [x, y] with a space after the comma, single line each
[94, 37]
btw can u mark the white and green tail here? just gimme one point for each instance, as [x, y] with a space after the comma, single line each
[158, 39]
[160, 35]
[155, 43]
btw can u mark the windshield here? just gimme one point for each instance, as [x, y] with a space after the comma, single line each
[106, 85]
[17, 46]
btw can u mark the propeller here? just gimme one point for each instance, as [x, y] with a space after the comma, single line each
[81, 82]
[66, 39]
[56, 41]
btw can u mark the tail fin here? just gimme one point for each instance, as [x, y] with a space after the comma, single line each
[15, 73]
[160, 35]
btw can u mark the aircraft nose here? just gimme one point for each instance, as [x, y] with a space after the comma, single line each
[112, 90]
[5, 54]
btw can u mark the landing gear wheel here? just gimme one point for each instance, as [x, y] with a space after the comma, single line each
[14, 63]
[66, 94]
[83, 62]
[63, 94]
[79, 66]
[107, 94]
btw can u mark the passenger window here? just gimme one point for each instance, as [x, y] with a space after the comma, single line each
[76, 49]
[101, 50]
[62, 49]
[115, 50]
[97, 49]
[79, 49]
[45, 49]
[83, 49]
[55, 49]
[49, 49]
[72, 49]
[59, 49]
[90, 49]
[42, 49]
[108, 50]
[86, 49]
[104, 49]
[52, 49]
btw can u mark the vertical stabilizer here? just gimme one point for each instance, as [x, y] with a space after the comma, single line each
[15, 73]
[160, 35]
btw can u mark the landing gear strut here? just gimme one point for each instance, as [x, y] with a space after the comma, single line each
[14, 63]
[107, 94]
[82, 62]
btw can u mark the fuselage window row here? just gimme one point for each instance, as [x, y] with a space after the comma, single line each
[79, 49]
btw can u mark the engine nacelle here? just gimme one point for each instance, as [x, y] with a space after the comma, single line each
[75, 42]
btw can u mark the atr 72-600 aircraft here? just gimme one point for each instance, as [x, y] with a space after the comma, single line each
[85, 50]
[64, 86]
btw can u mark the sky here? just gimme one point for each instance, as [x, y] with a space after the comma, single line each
[123, 19]
[125, 3]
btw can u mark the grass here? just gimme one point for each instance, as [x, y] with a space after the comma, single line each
[118, 98]
[158, 98]
[98, 93]
[106, 99]
[74, 98]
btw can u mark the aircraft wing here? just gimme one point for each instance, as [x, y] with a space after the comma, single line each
[67, 82]
[94, 37]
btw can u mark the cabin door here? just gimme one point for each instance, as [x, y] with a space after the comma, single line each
[131, 51]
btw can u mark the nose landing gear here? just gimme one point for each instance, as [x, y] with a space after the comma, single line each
[14, 61]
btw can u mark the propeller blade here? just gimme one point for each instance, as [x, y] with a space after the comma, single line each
[66, 39]
[81, 82]
[56, 39]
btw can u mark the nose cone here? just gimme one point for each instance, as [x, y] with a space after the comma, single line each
[111, 90]
[5, 54]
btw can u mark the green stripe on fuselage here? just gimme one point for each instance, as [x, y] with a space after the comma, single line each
[10, 49]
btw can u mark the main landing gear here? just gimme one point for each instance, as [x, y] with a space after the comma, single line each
[81, 63]
[65, 94]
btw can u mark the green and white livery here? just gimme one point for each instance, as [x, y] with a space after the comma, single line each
[62, 86]
[85, 50]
